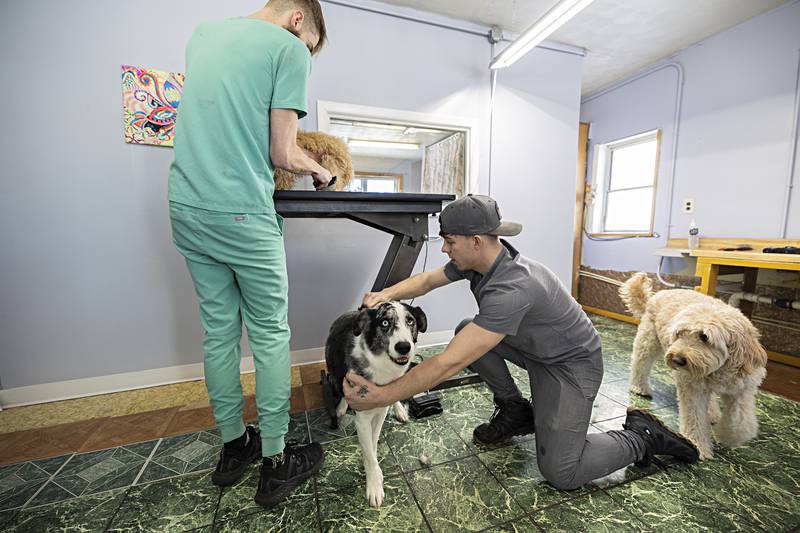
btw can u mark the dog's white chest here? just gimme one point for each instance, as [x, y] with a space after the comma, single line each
[385, 371]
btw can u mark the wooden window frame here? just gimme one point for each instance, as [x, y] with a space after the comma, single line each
[601, 172]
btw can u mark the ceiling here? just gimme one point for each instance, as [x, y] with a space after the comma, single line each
[620, 36]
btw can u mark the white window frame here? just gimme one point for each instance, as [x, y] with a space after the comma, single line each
[326, 110]
[601, 181]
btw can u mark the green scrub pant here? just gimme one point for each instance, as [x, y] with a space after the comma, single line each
[238, 266]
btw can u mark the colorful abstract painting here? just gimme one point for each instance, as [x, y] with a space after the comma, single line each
[150, 100]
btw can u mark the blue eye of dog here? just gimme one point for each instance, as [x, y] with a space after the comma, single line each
[385, 323]
[410, 320]
[704, 337]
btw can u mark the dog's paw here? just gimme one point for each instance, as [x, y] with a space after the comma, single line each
[705, 453]
[714, 413]
[642, 390]
[341, 409]
[375, 489]
[400, 412]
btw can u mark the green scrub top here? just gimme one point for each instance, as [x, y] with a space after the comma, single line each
[236, 71]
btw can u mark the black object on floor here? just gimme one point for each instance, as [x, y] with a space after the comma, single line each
[424, 404]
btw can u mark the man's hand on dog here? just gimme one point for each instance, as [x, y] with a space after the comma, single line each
[373, 299]
[361, 394]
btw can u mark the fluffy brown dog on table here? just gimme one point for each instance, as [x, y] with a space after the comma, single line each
[329, 151]
[712, 349]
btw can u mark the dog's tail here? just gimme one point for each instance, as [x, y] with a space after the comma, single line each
[635, 292]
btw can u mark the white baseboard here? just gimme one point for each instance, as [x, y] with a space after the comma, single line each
[80, 388]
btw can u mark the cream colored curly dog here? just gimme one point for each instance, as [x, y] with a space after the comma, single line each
[329, 151]
[712, 349]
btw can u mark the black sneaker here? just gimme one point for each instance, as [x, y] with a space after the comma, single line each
[659, 439]
[279, 478]
[233, 463]
[510, 418]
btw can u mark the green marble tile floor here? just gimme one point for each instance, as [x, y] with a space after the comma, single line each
[164, 485]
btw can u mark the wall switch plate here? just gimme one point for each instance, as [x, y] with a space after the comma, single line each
[688, 205]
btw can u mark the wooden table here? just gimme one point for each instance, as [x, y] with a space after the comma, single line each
[711, 263]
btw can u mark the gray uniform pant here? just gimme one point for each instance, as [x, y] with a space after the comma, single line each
[563, 395]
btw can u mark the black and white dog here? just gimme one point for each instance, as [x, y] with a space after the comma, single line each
[378, 344]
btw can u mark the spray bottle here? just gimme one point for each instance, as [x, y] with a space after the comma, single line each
[694, 236]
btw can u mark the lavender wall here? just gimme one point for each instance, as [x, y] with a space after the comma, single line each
[734, 145]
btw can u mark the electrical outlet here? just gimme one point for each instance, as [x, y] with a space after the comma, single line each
[688, 205]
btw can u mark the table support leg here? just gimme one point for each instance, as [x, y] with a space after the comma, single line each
[749, 285]
[398, 263]
[708, 273]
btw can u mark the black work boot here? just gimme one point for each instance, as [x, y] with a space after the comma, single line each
[280, 475]
[510, 418]
[659, 439]
[233, 461]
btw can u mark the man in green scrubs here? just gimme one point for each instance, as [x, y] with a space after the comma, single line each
[245, 90]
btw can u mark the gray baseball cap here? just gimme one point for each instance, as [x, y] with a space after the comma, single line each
[475, 214]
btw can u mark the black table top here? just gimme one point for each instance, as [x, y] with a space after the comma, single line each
[338, 204]
[363, 196]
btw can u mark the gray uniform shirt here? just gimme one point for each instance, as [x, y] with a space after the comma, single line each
[524, 300]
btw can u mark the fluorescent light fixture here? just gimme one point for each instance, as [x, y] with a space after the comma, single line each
[413, 130]
[377, 125]
[558, 15]
[355, 143]
[407, 130]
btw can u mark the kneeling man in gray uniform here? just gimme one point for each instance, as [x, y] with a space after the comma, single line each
[525, 316]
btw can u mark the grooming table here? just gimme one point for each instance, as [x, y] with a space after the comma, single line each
[403, 215]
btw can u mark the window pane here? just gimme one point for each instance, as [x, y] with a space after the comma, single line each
[380, 185]
[629, 210]
[357, 185]
[633, 166]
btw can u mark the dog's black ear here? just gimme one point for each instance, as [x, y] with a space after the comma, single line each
[419, 316]
[362, 320]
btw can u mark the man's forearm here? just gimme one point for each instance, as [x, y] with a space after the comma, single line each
[422, 377]
[466, 347]
[299, 162]
[408, 288]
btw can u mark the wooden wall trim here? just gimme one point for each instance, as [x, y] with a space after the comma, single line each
[610, 314]
[580, 194]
